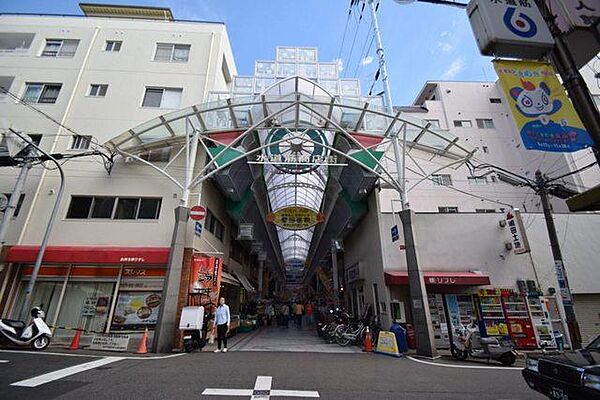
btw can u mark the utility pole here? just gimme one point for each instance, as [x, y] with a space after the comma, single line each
[572, 79]
[416, 283]
[561, 274]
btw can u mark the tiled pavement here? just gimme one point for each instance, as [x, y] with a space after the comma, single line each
[290, 340]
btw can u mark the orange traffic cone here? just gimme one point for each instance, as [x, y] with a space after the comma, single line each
[142, 347]
[75, 342]
[368, 341]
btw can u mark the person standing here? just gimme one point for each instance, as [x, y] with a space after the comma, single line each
[222, 320]
[298, 311]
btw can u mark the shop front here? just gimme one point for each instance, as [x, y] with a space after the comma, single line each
[449, 296]
[522, 316]
[96, 289]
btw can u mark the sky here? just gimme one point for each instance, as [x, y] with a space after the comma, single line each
[422, 41]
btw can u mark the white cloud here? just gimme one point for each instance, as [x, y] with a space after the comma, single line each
[367, 60]
[455, 68]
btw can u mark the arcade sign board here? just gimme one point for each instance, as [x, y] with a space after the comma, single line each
[295, 218]
[509, 28]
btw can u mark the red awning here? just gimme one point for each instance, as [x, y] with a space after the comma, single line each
[439, 278]
[90, 255]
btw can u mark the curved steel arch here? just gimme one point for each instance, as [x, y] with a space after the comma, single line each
[298, 104]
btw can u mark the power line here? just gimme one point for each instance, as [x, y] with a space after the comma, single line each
[46, 115]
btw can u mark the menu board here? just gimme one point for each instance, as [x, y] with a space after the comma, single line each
[136, 310]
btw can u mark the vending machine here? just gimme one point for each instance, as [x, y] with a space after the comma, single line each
[542, 325]
[493, 320]
[438, 320]
[558, 318]
[520, 326]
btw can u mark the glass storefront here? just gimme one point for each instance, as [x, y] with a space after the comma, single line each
[96, 299]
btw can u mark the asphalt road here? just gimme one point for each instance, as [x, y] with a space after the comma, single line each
[333, 376]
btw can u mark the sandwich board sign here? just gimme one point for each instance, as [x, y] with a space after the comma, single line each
[386, 344]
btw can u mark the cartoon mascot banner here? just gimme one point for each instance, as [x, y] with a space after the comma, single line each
[540, 107]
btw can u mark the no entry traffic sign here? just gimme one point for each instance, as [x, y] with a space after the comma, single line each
[197, 213]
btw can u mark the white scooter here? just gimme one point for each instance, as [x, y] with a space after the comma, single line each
[37, 334]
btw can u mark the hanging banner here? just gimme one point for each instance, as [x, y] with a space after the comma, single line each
[542, 111]
[295, 218]
[206, 277]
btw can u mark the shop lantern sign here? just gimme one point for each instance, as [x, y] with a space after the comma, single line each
[516, 229]
[295, 218]
[246, 231]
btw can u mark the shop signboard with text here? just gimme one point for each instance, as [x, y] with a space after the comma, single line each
[206, 277]
[543, 113]
[295, 218]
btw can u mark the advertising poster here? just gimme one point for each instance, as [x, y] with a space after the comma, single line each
[540, 107]
[136, 310]
[206, 277]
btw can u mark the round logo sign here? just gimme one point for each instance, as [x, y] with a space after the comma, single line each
[197, 213]
[519, 23]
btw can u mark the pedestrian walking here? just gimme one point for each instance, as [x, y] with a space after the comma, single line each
[222, 320]
[308, 310]
[298, 311]
[269, 313]
[285, 313]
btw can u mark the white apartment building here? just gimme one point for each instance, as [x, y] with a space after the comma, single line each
[95, 76]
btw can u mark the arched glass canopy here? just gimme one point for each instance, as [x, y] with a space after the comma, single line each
[292, 119]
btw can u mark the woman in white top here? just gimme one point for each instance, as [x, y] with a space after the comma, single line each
[222, 321]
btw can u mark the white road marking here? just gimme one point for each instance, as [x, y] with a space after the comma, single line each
[48, 353]
[294, 393]
[228, 392]
[3, 361]
[462, 366]
[262, 391]
[63, 373]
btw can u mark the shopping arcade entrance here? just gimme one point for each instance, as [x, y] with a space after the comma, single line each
[295, 161]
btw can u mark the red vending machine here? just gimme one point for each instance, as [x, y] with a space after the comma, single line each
[520, 326]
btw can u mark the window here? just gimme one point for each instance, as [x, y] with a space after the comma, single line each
[225, 71]
[485, 123]
[482, 180]
[463, 124]
[109, 207]
[158, 155]
[15, 42]
[494, 179]
[19, 203]
[60, 48]
[434, 122]
[5, 84]
[448, 209]
[113, 45]
[162, 97]
[97, 90]
[35, 138]
[214, 226]
[172, 52]
[81, 142]
[442, 179]
[495, 100]
[485, 210]
[41, 92]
